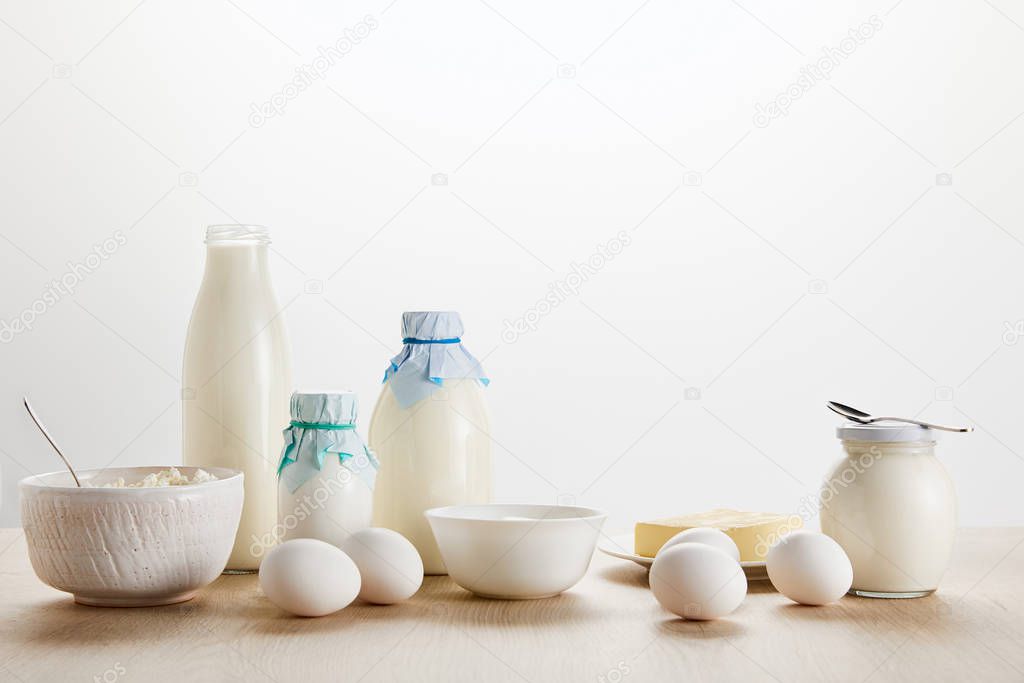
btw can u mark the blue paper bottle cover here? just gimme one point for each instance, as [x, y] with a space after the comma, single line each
[432, 352]
[323, 425]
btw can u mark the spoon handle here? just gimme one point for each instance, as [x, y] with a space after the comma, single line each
[32, 414]
[921, 424]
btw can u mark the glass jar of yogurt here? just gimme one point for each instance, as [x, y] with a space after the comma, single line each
[890, 504]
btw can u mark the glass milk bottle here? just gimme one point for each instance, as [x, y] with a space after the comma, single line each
[326, 472]
[890, 504]
[237, 379]
[430, 430]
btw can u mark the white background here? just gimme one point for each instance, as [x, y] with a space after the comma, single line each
[770, 268]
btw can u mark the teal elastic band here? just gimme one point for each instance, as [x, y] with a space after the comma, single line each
[318, 425]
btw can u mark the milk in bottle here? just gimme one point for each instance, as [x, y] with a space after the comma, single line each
[237, 379]
[430, 431]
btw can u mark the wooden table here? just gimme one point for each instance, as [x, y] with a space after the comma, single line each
[607, 629]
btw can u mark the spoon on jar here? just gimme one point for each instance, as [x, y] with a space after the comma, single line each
[32, 414]
[866, 418]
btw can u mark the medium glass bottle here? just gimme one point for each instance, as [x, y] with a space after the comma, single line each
[431, 431]
[237, 379]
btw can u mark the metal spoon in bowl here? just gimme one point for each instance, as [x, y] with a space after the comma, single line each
[49, 438]
[866, 418]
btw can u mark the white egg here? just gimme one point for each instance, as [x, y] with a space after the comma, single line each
[391, 568]
[708, 536]
[309, 578]
[697, 581]
[809, 568]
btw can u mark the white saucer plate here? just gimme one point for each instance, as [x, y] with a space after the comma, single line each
[622, 548]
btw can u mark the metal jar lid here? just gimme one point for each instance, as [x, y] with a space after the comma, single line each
[893, 432]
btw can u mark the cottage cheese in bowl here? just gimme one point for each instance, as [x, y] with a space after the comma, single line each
[171, 477]
[131, 536]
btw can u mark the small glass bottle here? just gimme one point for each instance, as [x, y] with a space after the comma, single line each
[890, 504]
[326, 474]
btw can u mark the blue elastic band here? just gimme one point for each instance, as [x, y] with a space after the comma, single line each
[412, 340]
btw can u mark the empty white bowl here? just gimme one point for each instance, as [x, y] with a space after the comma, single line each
[130, 547]
[516, 552]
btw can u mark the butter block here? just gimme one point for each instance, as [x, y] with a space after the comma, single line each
[753, 532]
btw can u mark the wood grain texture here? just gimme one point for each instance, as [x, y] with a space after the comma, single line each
[608, 628]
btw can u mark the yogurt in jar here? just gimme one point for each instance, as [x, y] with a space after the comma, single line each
[326, 473]
[890, 504]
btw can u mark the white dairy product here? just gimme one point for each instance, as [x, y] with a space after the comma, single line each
[434, 454]
[435, 451]
[326, 472]
[890, 504]
[330, 507]
[171, 477]
[237, 378]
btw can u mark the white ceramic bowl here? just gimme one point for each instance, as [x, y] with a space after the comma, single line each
[130, 547]
[516, 551]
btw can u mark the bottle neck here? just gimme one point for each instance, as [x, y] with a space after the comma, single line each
[238, 263]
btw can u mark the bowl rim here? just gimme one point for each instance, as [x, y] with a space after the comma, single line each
[225, 476]
[448, 512]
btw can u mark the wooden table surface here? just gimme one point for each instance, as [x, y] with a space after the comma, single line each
[608, 629]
